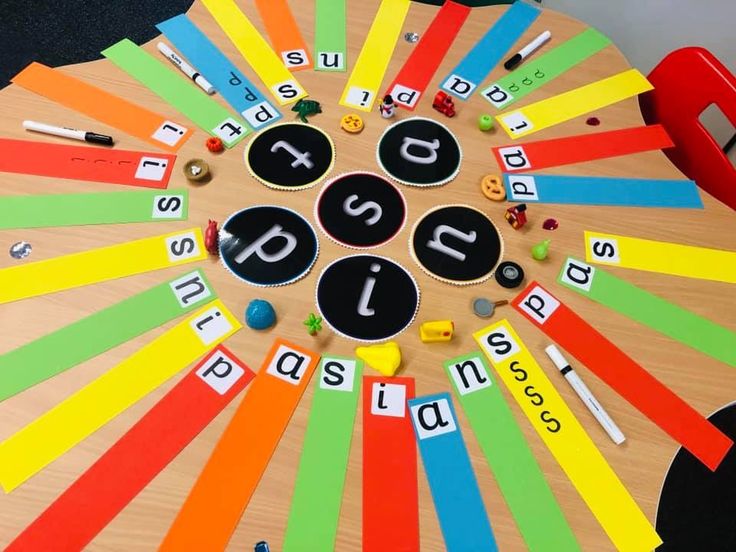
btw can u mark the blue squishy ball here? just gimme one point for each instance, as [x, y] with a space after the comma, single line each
[260, 315]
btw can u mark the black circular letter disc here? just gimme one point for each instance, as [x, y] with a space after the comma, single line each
[419, 152]
[457, 244]
[268, 245]
[360, 210]
[367, 297]
[290, 156]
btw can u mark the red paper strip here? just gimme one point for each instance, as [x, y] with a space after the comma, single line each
[100, 493]
[390, 495]
[220, 495]
[420, 67]
[651, 397]
[134, 168]
[580, 148]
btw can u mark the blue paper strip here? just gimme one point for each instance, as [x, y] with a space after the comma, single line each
[489, 50]
[227, 79]
[457, 499]
[590, 190]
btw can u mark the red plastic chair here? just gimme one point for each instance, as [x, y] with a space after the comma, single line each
[686, 82]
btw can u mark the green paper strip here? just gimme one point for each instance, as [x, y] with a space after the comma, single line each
[181, 92]
[71, 345]
[315, 506]
[534, 507]
[330, 34]
[42, 211]
[538, 71]
[646, 308]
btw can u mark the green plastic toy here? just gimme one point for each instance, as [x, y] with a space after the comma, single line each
[313, 324]
[305, 108]
[539, 251]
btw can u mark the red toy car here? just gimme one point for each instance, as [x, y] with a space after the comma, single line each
[444, 104]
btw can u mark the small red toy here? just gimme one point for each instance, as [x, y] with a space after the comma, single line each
[214, 144]
[516, 216]
[444, 104]
[211, 237]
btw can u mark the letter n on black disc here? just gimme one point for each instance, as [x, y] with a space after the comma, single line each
[367, 297]
[457, 244]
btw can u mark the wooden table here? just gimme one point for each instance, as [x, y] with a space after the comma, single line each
[641, 462]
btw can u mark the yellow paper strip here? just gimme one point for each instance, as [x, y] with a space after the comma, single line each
[45, 439]
[663, 257]
[563, 107]
[256, 51]
[365, 80]
[598, 485]
[99, 265]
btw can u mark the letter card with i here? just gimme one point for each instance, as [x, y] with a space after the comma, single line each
[390, 494]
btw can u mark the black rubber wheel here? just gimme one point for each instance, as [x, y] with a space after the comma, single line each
[509, 274]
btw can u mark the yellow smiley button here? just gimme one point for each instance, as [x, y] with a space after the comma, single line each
[351, 123]
[492, 188]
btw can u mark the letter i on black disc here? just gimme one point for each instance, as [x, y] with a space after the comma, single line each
[367, 297]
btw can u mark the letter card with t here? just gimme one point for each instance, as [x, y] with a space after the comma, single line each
[315, 504]
[457, 499]
[202, 110]
[645, 392]
[390, 494]
[585, 466]
[220, 495]
[111, 483]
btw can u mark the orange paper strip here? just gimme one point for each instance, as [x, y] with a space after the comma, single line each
[219, 497]
[103, 106]
[286, 39]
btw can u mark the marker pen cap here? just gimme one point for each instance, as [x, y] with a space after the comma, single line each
[554, 353]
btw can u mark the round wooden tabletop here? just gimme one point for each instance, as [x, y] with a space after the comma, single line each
[641, 463]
